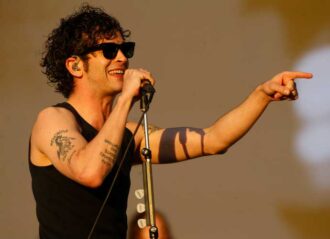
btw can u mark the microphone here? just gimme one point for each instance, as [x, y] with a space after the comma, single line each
[147, 92]
[147, 88]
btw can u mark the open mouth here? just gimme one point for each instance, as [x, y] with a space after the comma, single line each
[117, 72]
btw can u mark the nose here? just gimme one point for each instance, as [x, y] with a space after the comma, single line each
[120, 56]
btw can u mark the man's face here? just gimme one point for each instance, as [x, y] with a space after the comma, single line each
[105, 76]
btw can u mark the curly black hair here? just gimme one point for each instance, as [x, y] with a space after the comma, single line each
[81, 30]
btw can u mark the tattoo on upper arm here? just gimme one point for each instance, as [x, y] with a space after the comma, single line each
[63, 144]
[152, 128]
[109, 155]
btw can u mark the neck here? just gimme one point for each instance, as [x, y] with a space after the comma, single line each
[95, 110]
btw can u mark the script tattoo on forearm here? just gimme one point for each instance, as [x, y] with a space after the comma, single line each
[109, 155]
[63, 144]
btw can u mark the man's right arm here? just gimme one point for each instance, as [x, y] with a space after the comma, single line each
[56, 137]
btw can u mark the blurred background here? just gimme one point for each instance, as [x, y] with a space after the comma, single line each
[207, 56]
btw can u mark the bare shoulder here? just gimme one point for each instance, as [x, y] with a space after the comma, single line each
[53, 115]
[53, 119]
[132, 126]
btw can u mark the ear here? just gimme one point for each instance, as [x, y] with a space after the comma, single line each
[74, 65]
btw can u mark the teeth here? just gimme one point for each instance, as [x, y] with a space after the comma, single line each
[117, 72]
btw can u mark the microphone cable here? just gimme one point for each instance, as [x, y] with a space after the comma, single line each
[147, 91]
[114, 179]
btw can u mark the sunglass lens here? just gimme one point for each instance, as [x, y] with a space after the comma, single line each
[110, 51]
[128, 49]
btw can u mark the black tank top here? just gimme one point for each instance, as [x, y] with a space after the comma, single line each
[67, 210]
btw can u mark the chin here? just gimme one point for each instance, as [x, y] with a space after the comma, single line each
[116, 90]
[115, 85]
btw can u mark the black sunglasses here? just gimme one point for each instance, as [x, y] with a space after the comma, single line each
[110, 49]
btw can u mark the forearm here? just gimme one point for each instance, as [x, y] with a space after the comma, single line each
[99, 155]
[234, 125]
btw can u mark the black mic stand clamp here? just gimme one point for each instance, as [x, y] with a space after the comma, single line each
[147, 92]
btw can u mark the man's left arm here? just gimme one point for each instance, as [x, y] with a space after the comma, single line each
[177, 144]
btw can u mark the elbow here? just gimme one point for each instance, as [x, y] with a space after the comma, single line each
[93, 183]
[90, 180]
[215, 148]
[89, 175]
[214, 144]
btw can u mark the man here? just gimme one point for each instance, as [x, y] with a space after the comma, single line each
[76, 146]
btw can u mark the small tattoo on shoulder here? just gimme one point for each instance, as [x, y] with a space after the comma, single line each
[63, 144]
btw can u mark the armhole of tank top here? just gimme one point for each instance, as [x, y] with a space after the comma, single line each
[81, 121]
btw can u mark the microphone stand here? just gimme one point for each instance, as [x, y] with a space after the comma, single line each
[147, 92]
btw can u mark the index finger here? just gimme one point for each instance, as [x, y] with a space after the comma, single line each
[297, 74]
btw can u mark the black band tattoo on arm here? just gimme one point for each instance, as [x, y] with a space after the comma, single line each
[167, 143]
[63, 144]
[109, 155]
